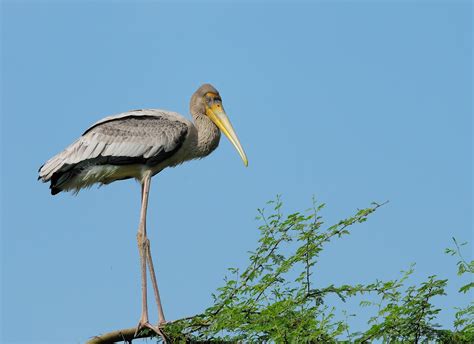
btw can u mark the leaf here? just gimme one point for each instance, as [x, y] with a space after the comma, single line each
[464, 289]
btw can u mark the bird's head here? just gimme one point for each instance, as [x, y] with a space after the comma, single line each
[206, 101]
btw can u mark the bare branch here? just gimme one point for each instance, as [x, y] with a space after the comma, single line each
[123, 335]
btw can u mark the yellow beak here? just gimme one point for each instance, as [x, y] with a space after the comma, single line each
[217, 114]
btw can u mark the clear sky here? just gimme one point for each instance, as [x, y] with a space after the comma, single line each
[350, 101]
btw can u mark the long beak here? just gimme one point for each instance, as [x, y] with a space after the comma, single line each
[217, 115]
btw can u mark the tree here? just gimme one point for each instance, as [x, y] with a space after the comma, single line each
[274, 299]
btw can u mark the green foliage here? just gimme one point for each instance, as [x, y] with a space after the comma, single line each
[464, 318]
[408, 317]
[274, 299]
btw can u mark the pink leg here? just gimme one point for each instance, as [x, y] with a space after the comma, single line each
[161, 315]
[145, 258]
[141, 240]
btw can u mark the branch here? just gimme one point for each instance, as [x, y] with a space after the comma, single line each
[123, 335]
[128, 334]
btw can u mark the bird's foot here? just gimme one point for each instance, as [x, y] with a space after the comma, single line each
[144, 324]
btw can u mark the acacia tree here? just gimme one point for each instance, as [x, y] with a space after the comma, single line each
[274, 299]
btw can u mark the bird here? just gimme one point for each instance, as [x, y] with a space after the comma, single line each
[139, 144]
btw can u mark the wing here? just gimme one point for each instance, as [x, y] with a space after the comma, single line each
[142, 136]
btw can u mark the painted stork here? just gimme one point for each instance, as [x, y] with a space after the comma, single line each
[139, 144]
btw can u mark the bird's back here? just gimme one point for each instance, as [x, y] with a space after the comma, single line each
[117, 147]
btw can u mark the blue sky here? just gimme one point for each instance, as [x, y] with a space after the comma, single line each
[353, 102]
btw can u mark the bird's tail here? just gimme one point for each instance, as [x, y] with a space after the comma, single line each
[55, 169]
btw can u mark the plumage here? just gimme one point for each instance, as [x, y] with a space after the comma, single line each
[140, 137]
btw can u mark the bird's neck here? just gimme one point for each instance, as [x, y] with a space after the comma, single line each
[208, 135]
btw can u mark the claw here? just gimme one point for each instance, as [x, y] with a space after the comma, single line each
[145, 324]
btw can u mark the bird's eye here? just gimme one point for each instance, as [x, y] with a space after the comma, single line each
[208, 100]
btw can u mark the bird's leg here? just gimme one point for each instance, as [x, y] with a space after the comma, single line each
[161, 315]
[144, 250]
[141, 240]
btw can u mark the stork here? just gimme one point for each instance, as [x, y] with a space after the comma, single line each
[139, 144]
